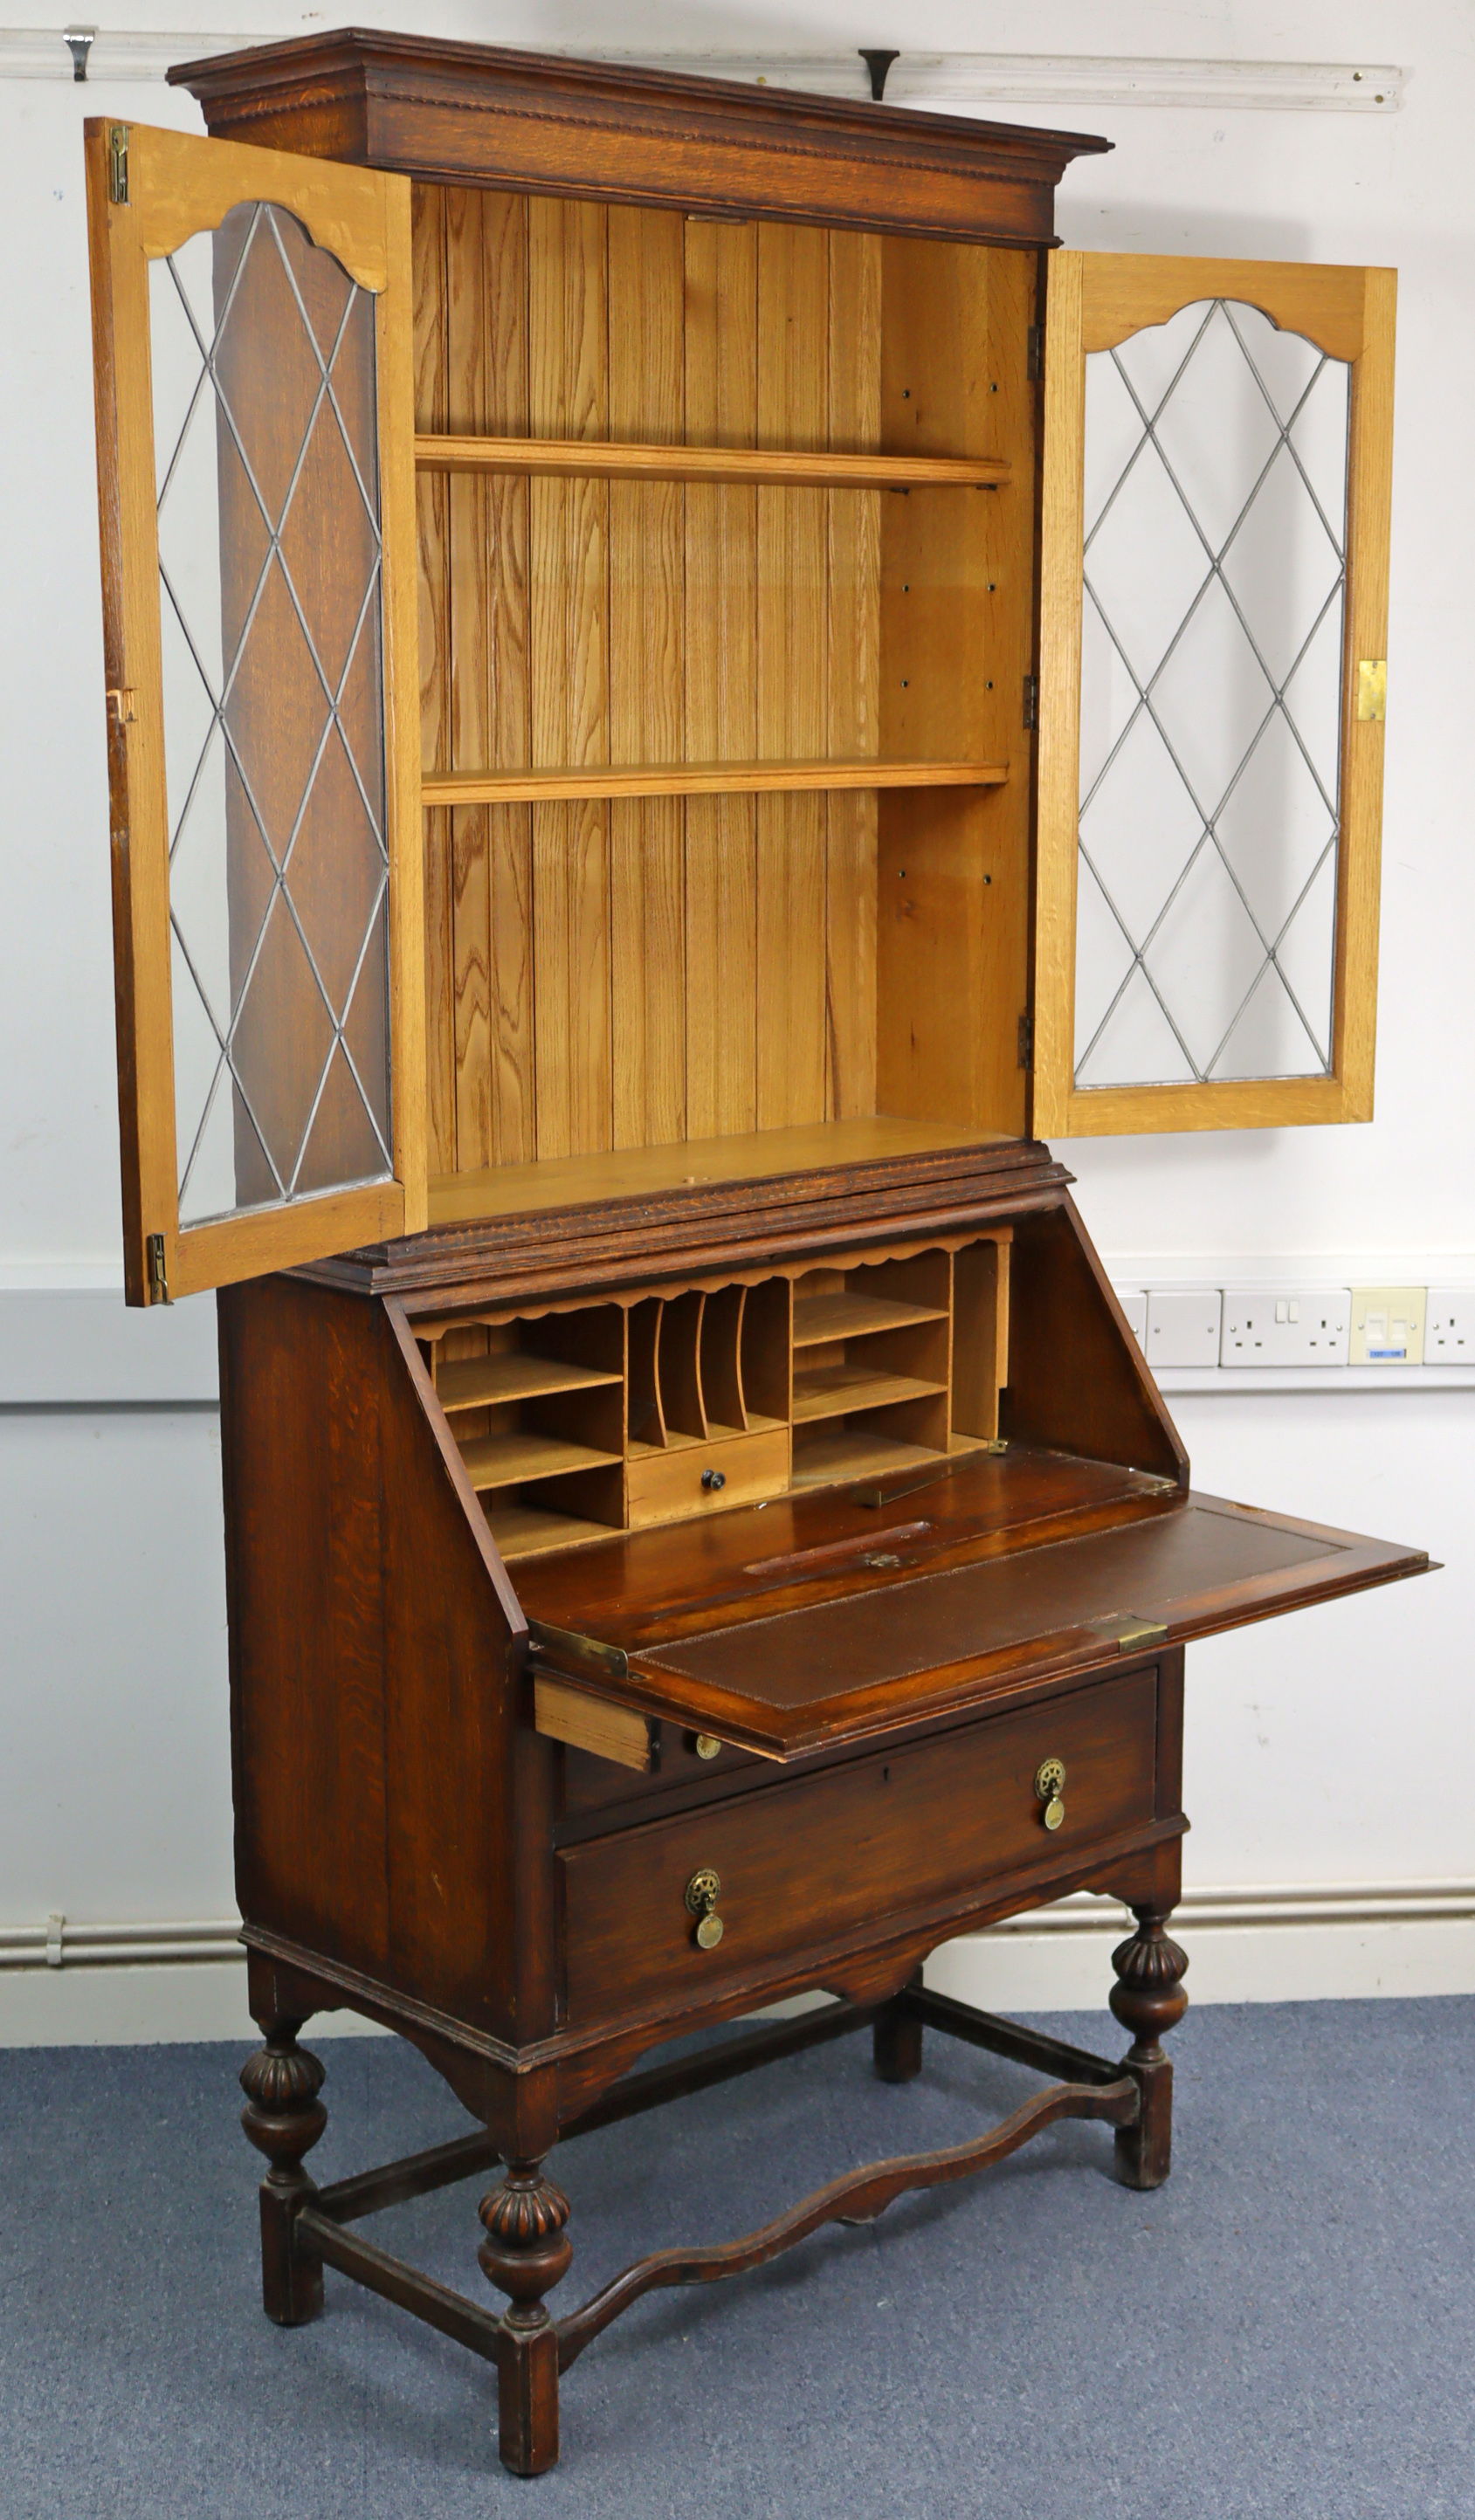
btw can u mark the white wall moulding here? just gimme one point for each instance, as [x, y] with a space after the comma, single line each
[62, 1941]
[1316, 1903]
[993, 79]
[80, 1347]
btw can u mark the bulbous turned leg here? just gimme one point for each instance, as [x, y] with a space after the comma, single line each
[1147, 2000]
[525, 2254]
[284, 2118]
[897, 2040]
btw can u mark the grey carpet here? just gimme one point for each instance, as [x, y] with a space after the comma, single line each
[1285, 2329]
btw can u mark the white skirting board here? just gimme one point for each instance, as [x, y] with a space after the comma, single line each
[1246, 1945]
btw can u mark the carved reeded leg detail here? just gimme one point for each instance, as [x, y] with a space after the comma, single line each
[284, 2118]
[525, 2253]
[1147, 2000]
[897, 2039]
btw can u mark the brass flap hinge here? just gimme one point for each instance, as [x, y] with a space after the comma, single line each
[564, 1649]
[1026, 1040]
[122, 705]
[1372, 689]
[1124, 1627]
[117, 163]
[158, 1272]
[1035, 353]
[1031, 702]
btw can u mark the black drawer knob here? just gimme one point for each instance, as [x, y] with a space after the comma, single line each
[714, 1480]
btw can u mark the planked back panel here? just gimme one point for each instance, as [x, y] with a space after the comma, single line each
[635, 973]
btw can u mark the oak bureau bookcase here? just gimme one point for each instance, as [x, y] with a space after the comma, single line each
[680, 683]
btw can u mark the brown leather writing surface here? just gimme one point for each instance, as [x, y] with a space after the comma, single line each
[900, 1648]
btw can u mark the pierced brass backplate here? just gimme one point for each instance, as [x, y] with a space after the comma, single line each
[1372, 687]
[704, 1891]
[1050, 1789]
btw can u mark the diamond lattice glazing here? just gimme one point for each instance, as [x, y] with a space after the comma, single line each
[270, 566]
[1211, 694]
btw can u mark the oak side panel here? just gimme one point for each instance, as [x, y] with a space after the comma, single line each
[469, 1920]
[957, 641]
[301, 1441]
[646, 681]
[487, 318]
[433, 509]
[1077, 1380]
[721, 336]
[793, 359]
[853, 687]
[468, 353]
[568, 369]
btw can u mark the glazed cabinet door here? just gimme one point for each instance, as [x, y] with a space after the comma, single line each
[1213, 590]
[251, 316]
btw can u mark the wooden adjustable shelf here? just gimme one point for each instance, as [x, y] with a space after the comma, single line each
[754, 467]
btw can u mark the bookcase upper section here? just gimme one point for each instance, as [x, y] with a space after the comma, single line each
[727, 536]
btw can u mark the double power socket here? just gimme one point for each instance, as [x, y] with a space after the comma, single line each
[1288, 1325]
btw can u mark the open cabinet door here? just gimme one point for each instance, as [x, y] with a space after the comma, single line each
[1214, 595]
[251, 316]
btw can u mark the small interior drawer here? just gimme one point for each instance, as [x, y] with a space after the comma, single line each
[702, 1478]
[807, 1858]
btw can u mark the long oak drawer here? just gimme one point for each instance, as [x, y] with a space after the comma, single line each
[807, 1858]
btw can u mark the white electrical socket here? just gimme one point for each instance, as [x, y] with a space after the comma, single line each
[1134, 1304]
[1182, 1326]
[1286, 1325]
[1387, 1326]
[1450, 1326]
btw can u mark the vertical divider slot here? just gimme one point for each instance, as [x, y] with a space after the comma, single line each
[721, 1352]
[981, 1338]
[644, 1421]
[678, 1366]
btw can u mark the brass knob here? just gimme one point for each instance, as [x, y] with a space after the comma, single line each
[704, 1891]
[714, 1480]
[1050, 1789]
[707, 1746]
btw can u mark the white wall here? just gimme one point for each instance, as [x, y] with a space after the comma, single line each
[1330, 1748]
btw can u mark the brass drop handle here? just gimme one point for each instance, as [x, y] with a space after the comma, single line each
[714, 1480]
[1050, 1789]
[704, 1891]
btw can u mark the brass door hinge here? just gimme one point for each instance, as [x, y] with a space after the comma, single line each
[1035, 353]
[1372, 688]
[122, 705]
[1026, 1043]
[117, 163]
[1031, 702]
[158, 1272]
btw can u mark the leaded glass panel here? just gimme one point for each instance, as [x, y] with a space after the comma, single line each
[270, 599]
[1211, 703]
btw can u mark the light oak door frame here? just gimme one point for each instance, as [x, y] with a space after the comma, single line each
[149, 192]
[1096, 302]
